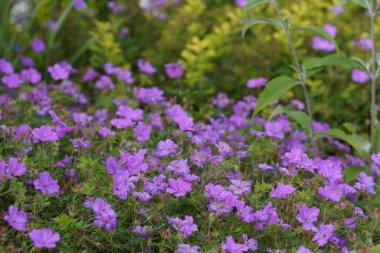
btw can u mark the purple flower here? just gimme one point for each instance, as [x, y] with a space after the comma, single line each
[31, 75]
[359, 76]
[186, 226]
[376, 158]
[241, 3]
[185, 122]
[44, 134]
[240, 187]
[25, 61]
[90, 75]
[365, 44]
[15, 168]
[323, 234]
[282, 191]
[12, 81]
[365, 183]
[121, 123]
[174, 69]
[330, 29]
[59, 72]
[178, 187]
[38, 45]
[186, 248]
[307, 216]
[142, 131]
[330, 192]
[123, 183]
[146, 67]
[105, 214]
[303, 249]
[6, 67]
[80, 4]
[46, 184]
[17, 219]
[338, 10]
[44, 238]
[104, 83]
[141, 230]
[149, 96]
[125, 76]
[104, 132]
[179, 167]
[166, 148]
[256, 83]
[232, 247]
[221, 100]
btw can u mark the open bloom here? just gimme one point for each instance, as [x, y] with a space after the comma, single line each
[44, 238]
[178, 187]
[46, 184]
[307, 216]
[323, 234]
[17, 219]
[282, 191]
[174, 69]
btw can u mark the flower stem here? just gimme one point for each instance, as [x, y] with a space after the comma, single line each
[301, 75]
[373, 73]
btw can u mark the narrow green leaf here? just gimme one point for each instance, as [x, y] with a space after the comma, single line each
[83, 49]
[302, 118]
[274, 90]
[260, 20]
[334, 59]
[253, 4]
[59, 24]
[359, 144]
[319, 31]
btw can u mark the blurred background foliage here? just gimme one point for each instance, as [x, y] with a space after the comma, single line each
[203, 34]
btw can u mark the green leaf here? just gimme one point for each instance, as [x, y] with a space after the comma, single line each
[83, 49]
[358, 143]
[274, 89]
[351, 174]
[376, 148]
[277, 111]
[375, 249]
[253, 4]
[302, 118]
[319, 31]
[362, 3]
[260, 20]
[334, 59]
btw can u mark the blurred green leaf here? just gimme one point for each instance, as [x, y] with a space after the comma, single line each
[359, 144]
[274, 89]
[277, 111]
[334, 59]
[362, 3]
[253, 4]
[375, 249]
[260, 20]
[302, 118]
[319, 31]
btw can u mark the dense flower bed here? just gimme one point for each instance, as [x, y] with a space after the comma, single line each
[140, 174]
[148, 144]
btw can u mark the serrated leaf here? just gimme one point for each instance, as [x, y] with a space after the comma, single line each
[319, 31]
[302, 118]
[260, 20]
[274, 89]
[334, 59]
[253, 4]
[359, 144]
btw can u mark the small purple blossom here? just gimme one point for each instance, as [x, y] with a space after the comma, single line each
[307, 216]
[359, 76]
[282, 191]
[178, 187]
[256, 83]
[323, 234]
[38, 45]
[174, 69]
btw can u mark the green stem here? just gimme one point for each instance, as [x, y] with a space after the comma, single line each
[301, 75]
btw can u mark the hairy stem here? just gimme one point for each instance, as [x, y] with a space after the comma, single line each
[372, 11]
[301, 75]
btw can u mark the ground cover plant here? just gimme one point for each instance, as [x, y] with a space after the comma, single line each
[189, 126]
